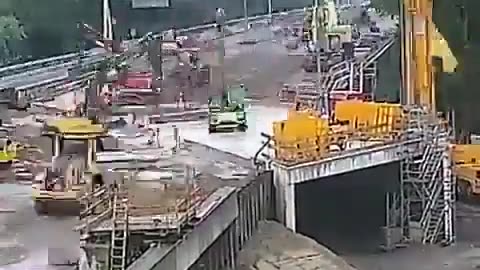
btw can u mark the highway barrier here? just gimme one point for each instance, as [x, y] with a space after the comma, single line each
[19, 73]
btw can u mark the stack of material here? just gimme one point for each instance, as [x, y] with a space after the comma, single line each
[300, 138]
[162, 200]
[371, 119]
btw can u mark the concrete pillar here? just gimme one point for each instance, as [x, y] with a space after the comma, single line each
[290, 214]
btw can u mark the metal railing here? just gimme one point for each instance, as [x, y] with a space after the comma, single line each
[57, 61]
[73, 60]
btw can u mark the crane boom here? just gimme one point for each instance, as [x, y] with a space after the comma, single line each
[417, 68]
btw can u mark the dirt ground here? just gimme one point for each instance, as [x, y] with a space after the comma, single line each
[273, 247]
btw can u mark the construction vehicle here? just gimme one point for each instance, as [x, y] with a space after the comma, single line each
[227, 112]
[466, 158]
[325, 22]
[56, 191]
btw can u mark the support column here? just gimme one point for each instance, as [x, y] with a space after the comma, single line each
[290, 213]
[56, 146]
[284, 198]
[55, 149]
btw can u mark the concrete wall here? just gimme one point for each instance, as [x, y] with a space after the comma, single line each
[255, 203]
[185, 252]
[214, 243]
[286, 177]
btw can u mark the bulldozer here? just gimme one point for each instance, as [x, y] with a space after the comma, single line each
[227, 112]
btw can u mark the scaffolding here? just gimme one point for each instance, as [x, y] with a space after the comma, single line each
[122, 219]
[424, 207]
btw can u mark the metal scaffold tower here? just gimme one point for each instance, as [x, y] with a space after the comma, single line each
[427, 186]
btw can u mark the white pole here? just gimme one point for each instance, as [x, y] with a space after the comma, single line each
[270, 5]
[245, 13]
[107, 21]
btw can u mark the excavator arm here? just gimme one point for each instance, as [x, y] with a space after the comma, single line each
[418, 71]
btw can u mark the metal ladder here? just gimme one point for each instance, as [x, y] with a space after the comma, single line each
[438, 190]
[118, 249]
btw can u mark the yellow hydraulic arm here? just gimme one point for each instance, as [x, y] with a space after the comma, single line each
[417, 69]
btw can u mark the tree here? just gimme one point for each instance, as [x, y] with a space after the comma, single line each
[10, 31]
[51, 25]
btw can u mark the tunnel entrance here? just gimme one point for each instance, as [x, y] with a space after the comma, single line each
[347, 212]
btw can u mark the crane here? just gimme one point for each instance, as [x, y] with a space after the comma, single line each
[417, 53]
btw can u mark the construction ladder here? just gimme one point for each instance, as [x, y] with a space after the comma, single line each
[429, 178]
[118, 249]
[438, 189]
[439, 194]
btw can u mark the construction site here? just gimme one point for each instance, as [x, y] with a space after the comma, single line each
[258, 143]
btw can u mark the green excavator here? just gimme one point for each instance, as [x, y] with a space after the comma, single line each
[226, 113]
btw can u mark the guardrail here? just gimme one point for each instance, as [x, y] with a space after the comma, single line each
[52, 61]
[17, 72]
[20, 68]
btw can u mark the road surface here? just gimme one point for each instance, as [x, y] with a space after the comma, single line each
[26, 238]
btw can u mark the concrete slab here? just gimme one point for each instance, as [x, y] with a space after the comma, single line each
[356, 159]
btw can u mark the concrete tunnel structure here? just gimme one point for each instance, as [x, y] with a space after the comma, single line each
[286, 178]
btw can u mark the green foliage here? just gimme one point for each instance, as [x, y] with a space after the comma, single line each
[388, 6]
[10, 32]
[50, 26]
